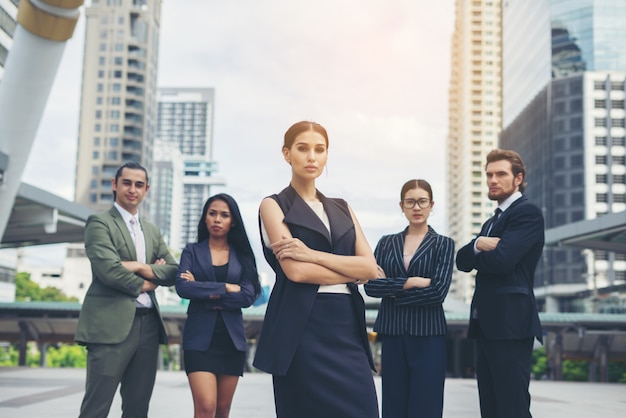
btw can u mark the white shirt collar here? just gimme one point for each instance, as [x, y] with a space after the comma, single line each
[126, 215]
[509, 201]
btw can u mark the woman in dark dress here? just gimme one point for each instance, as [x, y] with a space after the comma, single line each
[416, 266]
[219, 276]
[313, 339]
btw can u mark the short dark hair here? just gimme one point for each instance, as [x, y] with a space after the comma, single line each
[517, 165]
[237, 237]
[416, 184]
[132, 165]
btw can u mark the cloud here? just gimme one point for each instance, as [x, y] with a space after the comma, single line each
[374, 73]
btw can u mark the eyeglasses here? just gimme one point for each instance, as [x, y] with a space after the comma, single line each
[410, 203]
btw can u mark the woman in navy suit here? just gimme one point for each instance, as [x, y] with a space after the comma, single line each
[219, 276]
[416, 266]
[313, 340]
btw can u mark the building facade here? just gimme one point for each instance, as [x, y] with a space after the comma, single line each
[475, 113]
[118, 98]
[8, 24]
[185, 141]
[570, 134]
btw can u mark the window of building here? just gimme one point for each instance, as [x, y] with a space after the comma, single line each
[559, 144]
[617, 123]
[578, 215]
[99, 100]
[559, 163]
[103, 47]
[617, 104]
[601, 140]
[114, 141]
[560, 219]
[599, 104]
[599, 122]
[97, 127]
[577, 198]
[618, 159]
[559, 199]
[559, 181]
[116, 87]
[576, 105]
[598, 85]
[559, 108]
[617, 85]
[576, 142]
[618, 141]
[601, 178]
[119, 47]
[576, 86]
[115, 100]
[619, 179]
[112, 155]
[115, 114]
[575, 124]
[576, 160]
[602, 197]
[114, 127]
[100, 87]
[117, 74]
[619, 198]
[96, 155]
[577, 179]
[601, 159]
[96, 141]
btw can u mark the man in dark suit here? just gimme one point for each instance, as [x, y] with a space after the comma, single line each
[119, 321]
[504, 318]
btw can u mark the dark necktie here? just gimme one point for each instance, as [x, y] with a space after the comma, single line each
[495, 217]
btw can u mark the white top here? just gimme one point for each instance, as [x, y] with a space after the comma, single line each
[318, 208]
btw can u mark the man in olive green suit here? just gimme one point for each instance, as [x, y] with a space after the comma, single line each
[119, 321]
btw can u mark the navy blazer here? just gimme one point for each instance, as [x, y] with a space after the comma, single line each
[504, 305]
[416, 311]
[290, 303]
[208, 297]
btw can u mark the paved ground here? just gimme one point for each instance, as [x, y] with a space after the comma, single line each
[57, 393]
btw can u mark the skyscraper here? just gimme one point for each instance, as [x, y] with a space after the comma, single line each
[185, 144]
[118, 100]
[8, 23]
[474, 121]
[571, 136]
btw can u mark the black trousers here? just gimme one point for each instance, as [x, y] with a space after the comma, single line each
[131, 363]
[503, 372]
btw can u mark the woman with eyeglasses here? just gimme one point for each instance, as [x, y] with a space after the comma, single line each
[415, 267]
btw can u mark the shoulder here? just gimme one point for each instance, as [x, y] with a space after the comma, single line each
[524, 206]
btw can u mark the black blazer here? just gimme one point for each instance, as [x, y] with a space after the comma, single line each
[417, 312]
[290, 303]
[207, 297]
[504, 305]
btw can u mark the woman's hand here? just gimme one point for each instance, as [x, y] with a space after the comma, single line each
[292, 248]
[232, 288]
[416, 282]
[187, 275]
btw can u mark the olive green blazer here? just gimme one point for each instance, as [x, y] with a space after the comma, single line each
[109, 307]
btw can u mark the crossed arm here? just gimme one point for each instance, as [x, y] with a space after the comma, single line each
[304, 265]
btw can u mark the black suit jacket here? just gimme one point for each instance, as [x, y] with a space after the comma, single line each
[208, 297]
[290, 303]
[504, 305]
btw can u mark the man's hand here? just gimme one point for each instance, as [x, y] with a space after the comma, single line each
[148, 286]
[487, 243]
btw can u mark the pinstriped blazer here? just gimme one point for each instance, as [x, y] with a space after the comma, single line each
[417, 312]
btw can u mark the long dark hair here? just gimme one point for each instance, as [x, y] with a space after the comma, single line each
[237, 237]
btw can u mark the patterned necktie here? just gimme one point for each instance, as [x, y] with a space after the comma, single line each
[140, 249]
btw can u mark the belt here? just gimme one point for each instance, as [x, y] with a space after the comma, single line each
[144, 311]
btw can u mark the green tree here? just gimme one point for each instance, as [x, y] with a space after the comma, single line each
[577, 371]
[27, 290]
[67, 355]
[540, 363]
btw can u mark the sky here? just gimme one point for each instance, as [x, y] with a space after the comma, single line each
[375, 74]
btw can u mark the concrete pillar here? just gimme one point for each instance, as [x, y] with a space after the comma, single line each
[44, 26]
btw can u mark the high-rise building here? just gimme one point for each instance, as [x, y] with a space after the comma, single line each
[8, 24]
[185, 124]
[571, 135]
[118, 100]
[474, 121]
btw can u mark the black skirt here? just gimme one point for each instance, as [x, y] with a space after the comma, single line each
[222, 357]
[330, 375]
